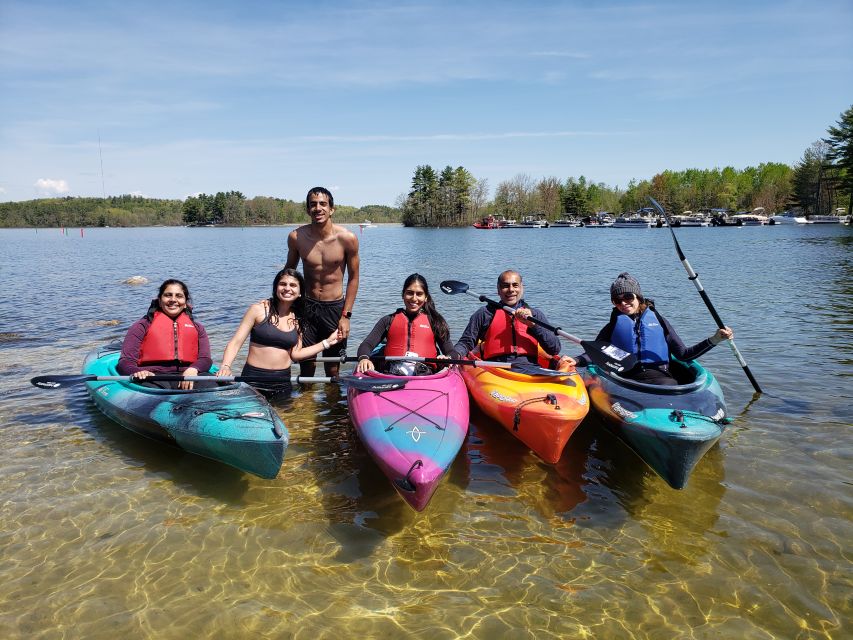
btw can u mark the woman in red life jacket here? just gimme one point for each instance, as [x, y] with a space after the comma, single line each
[166, 340]
[417, 330]
[274, 328]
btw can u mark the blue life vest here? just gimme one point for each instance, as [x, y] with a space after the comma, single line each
[643, 337]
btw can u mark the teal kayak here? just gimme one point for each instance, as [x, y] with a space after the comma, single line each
[669, 427]
[231, 423]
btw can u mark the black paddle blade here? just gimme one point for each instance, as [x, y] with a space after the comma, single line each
[608, 356]
[531, 369]
[453, 286]
[58, 382]
[376, 385]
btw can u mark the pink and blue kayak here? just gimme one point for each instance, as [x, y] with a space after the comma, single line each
[415, 432]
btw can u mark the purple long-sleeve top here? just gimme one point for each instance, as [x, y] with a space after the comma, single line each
[128, 363]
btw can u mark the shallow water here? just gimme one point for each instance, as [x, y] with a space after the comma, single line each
[105, 533]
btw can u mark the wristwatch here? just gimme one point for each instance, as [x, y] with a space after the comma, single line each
[347, 314]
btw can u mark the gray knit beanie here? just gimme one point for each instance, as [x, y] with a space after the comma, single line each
[625, 283]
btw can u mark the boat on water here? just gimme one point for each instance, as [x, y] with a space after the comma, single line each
[748, 220]
[835, 218]
[690, 219]
[634, 221]
[722, 218]
[542, 411]
[231, 423]
[489, 222]
[567, 222]
[367, 224]
[598, 221]
[786, 217]
[669, 427]
[415, 432]
[506, 223]
[537, 221]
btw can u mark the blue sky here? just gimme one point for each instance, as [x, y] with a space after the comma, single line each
[271, 98]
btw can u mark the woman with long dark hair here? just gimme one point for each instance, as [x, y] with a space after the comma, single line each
[166, 340]
[274, 329]
[417, 329]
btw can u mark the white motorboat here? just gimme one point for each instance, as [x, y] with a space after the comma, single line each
[690, 219]
[749, 219]
[537, 221]
[836, 218]
[631, 222]
[567, 222]
[786, 217]
[598, 221]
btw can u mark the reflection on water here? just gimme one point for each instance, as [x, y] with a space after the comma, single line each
[105, 533]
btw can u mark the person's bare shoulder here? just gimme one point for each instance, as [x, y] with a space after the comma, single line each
[346, 237]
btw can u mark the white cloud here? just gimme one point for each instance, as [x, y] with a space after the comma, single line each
[2, 190]
[51, 186]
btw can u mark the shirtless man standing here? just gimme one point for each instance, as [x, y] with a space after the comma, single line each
[326, 250]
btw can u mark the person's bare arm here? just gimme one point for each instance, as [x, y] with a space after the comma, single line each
[350, 243]
[292, 251]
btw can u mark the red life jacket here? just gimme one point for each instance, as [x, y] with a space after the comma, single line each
[410, 336]
[169, 341]
[508, 336]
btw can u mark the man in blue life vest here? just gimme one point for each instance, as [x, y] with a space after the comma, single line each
[509, 336]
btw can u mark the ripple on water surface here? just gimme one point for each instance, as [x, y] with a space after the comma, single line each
[106, 533]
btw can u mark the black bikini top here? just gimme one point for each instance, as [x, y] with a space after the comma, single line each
[268, 335]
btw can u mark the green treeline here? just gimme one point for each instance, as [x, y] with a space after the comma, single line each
[819, 183]
[233, 209]
[458, 202]
[116, 211]
[224, 208]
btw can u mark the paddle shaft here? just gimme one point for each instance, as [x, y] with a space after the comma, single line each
[694, 277]
[445, 361]
[168, 377]
[60, 381]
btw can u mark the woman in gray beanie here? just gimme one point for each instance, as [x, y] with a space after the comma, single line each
[636, 327]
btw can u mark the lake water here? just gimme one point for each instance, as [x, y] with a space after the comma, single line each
[107, 534]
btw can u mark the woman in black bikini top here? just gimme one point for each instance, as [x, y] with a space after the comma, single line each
[275, 336]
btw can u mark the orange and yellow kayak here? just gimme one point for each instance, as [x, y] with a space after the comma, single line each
[540, 410]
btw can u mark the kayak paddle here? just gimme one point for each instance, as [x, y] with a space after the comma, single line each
[519, 367]
[692, 275]
[362, 384]
[446, 361]
[603, 354]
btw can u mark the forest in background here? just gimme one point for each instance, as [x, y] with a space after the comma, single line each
[230, 208]
[819, 183]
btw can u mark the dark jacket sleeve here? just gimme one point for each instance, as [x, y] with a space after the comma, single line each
[548, 340]
[445, 347]
[472, 334]
[376, 336]
[128, 362]
[677, 348]
[204, 361]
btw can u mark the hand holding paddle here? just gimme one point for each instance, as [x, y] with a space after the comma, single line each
[603, 354]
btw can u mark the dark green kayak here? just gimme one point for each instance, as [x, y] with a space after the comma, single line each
[669, 427]
[231, 423]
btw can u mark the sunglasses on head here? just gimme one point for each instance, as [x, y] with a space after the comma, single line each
[625, 297]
